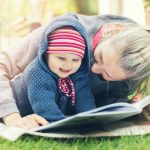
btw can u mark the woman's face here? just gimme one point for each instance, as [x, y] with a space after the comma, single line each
[107, 63]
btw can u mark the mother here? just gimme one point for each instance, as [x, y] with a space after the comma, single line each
[120, 50]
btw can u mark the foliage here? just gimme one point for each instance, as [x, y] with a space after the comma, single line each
[10, 10]
[59, 7]
[14, 10]
[38, 143]
[88, 7]
[146, 3]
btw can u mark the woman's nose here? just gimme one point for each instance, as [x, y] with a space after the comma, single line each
[96, 68]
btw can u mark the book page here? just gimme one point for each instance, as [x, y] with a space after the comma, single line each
[102, 115]
[75, 121]
[112, 107]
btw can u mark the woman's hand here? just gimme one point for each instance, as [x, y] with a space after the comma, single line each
[137, 97]
[27, 122]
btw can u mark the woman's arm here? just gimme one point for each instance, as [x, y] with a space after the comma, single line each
[27, 122]
[12, 62]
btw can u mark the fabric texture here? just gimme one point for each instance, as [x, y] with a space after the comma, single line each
[64, 84]
[38, 87]
[12, 63]
[97, 38]
[66, 40]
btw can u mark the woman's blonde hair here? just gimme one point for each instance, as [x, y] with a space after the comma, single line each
[133, 45]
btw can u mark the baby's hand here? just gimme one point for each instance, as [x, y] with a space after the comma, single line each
[27, 122]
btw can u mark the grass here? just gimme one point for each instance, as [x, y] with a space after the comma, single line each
[40, 143]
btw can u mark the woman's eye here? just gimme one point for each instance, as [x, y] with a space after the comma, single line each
[101, 58]
[75, 60]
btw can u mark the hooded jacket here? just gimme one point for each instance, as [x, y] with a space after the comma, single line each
[37, 89]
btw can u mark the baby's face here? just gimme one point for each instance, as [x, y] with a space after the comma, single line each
[63, 64]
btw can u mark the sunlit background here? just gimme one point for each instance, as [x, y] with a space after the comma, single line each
[19, 17]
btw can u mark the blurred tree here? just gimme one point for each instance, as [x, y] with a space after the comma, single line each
[147, 11]
[58, 7]
[19, 17]
[36, 13]
[31, 19]
[11, 10]
[87, 7]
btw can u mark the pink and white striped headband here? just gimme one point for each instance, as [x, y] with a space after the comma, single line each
[66, 40]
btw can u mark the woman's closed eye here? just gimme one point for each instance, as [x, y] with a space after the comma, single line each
[101, 58]
[76, 60]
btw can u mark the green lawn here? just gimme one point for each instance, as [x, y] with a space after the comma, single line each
[38, 143]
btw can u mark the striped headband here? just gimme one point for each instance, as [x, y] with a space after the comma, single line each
[66, 40]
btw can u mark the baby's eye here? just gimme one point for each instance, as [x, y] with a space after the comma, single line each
[61, 58]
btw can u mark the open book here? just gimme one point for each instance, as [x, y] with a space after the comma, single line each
[104, 121]
[99, 116]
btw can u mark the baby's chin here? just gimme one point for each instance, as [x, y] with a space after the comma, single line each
[63, 75]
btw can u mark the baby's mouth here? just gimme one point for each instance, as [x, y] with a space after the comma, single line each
[64, 70]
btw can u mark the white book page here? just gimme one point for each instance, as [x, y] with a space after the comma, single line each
[112, 107]
[105, 114]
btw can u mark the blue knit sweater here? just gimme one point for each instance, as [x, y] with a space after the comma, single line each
[37, 90]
